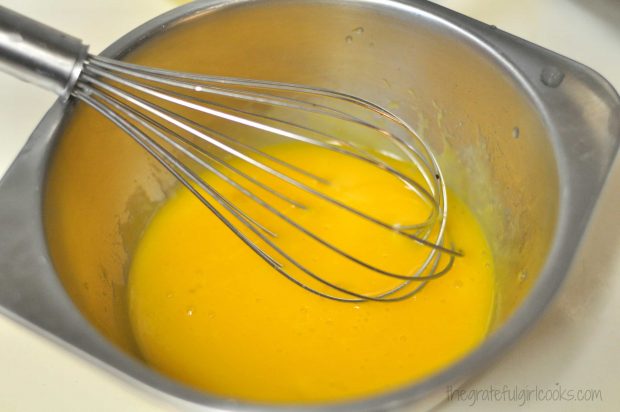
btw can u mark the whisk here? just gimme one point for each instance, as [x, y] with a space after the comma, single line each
[173, 116]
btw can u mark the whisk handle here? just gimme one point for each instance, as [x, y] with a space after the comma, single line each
[39, 54]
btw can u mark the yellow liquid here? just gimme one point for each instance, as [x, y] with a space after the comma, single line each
[209, 312]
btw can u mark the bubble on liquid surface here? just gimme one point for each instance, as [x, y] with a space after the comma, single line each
[358, 30]
[551, 76]
[516, 132]
[348, 39]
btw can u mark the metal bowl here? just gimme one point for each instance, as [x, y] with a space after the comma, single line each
[525, 136]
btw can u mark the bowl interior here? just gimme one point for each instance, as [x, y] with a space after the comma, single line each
[491, 141]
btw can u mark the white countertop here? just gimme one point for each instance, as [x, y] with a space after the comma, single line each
[575, 346]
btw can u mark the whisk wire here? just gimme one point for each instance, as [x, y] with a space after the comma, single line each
[172, 118]
[152, 126]
[171, 164]
[114, 103]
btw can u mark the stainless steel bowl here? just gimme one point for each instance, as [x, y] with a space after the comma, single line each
[525, 136]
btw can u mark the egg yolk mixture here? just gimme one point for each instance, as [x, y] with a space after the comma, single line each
[209, 312]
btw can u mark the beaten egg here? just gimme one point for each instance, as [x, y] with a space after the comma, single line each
[209, 312]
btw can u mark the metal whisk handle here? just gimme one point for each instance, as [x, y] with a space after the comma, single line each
[39, 54]
[143, 102]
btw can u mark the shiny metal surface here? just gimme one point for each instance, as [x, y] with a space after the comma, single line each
[38, 54]
[536, 188]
